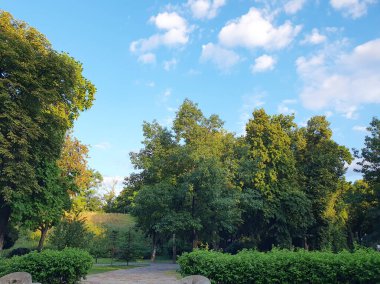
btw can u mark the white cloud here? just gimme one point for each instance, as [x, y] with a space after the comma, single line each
[360, 128]
[103, 145]
[175, 32]
[352, 8]
[255, 29]
[113, 182]
[314, 38]
[223, 58]
[170, 64]
[205, 9]
[342, 83]
[250, 103]
[167, 93]
[147, 58]
[151, 84]
[284, 107]
[293, 6]
[263, 63]
[351, 173]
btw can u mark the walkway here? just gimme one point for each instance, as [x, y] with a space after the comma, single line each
[155, 273]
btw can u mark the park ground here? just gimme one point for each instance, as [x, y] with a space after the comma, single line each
[148, 273]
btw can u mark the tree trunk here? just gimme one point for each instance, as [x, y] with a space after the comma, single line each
[215, 240]
[154, 250]
[44, 229]
[174, 250]
[195, 239]
[305, 245]
[5, 213]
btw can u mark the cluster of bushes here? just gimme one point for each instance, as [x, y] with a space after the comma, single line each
[283, 266]
[50, 267]
[127, 244]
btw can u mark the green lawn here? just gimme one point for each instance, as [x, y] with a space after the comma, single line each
[105, 268]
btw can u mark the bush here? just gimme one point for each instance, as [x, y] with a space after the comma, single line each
[51, 267]
[282, 266]
[18, 252]
[71, 233]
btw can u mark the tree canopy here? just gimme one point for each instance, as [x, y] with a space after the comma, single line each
[42, 92]
[278, 185]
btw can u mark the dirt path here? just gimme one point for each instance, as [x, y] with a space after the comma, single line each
[157, 273]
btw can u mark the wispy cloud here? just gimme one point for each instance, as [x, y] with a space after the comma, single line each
[359, 128]
[250, 103]
[352, 8]
[284, 107]
[205, 9]
[314, 38]
[223, 58]
[170, 64]
[341, 83]
[147, 58]
[294, 6]
[103, 145]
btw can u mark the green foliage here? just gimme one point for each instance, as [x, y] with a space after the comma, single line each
[42, 92]
[279, 185]
[369, 194]
[184, 185]
[71, 233]
[51, 267]
[283, 266]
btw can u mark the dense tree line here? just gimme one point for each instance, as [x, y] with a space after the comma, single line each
[277, 185]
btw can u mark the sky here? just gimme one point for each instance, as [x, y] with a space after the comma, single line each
[307, 57]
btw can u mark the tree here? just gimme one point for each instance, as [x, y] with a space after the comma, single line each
[41, 93]
[84, 181]
[183, 187]
[370, 194]
[322, 165]
[49, 204]
[275, 210]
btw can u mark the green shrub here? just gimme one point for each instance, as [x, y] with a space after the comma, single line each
[282, 266]
[51, 267]
[71, 233]
[18, 252]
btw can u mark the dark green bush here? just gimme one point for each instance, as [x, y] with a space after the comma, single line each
[282, 266]
[51, 267]
[18, 252]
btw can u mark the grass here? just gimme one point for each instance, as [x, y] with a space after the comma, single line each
[173, 273]
[113, 220]
[95, 220]
[105, 260]
[95, 269]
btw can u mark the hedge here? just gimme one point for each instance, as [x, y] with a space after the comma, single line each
[50, 267]
[283, 266]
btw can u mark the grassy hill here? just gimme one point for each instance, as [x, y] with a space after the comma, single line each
[111, 220]
[96, 222]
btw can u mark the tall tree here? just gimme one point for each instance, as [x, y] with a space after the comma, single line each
[41, 93]
[322, 165]
[275, 210]
[370, 168]
[185, 183]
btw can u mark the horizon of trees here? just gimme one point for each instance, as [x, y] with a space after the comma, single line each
[277, 185]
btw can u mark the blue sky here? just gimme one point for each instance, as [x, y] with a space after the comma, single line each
[307, 57]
